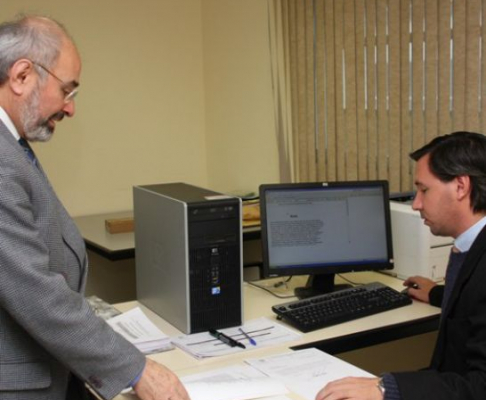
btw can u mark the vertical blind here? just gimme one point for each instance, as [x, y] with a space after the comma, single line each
[359, 84]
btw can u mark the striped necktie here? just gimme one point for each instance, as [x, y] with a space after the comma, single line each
[28, 150]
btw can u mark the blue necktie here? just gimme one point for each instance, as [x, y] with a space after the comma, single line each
[456, 260]
[28, 150]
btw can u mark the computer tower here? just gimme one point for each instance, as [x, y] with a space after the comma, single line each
[417, 251]
[188, 243]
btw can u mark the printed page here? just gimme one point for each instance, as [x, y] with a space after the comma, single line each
[262, 331]
[305, 372]
[135, 326]
[240, 382]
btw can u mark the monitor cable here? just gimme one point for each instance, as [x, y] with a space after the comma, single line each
[275, 286]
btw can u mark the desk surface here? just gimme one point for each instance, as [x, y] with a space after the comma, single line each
[112, 246]
[258, 303]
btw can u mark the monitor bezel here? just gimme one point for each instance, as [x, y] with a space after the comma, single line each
[324, 269]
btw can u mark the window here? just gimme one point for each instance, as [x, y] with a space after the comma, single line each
[359, 84]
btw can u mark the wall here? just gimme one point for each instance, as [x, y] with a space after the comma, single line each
[171, 90]
[240, 130]
[140, 110]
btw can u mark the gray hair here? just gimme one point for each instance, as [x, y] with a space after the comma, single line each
[36, 38]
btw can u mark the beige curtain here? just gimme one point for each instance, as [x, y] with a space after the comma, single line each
[281, 90]
[364, 82]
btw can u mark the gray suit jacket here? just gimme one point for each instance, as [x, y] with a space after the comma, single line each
[47, 329]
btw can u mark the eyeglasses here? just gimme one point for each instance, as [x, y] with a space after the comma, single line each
[69, 94]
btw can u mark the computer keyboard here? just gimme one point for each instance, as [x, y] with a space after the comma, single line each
[345, 305]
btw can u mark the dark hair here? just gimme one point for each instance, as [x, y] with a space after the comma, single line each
[459, 154]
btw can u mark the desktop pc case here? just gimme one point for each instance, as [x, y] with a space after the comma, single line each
[188, 243]
[417, 251]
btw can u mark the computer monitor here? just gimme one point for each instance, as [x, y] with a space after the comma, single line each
[325, 228]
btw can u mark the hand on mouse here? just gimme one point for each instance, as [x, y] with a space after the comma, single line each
[419, 287]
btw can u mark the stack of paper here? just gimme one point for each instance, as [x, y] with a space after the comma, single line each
[237, 382]
[263, 331]
[134, 326]
[305, 372]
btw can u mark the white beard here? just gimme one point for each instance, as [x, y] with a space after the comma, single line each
[35, 129]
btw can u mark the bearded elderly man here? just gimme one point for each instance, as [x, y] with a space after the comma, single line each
[51, 342]
[450, 177]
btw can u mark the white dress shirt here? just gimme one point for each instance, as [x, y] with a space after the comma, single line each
[465, 240]
[9, 124]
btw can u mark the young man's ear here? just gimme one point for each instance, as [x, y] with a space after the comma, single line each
[463, 186]
[21, 76]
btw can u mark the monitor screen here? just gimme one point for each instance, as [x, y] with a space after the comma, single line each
[321, 229]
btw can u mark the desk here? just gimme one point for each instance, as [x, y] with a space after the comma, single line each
[114, 247]
[416, 319]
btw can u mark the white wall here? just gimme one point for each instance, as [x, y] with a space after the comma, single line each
[241, 143]
[171, 90]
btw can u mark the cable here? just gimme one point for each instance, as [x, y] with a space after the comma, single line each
[282, 283]
[350, 281]
[271, 292]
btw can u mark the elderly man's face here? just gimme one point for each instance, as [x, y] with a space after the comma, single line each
[46, 104]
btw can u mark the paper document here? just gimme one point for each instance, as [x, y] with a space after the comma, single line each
[240, 382]
[305, 372]
[263, 331]
[135, 326]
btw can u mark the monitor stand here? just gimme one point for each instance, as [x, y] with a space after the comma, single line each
[319, 284]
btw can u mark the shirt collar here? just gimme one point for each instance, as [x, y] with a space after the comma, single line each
[465, 240]
[9, 124]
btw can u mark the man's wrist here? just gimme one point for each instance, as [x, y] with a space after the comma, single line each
[137, 378]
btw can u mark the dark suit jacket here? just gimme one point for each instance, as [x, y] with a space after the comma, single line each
[47, 329]
[458, 366]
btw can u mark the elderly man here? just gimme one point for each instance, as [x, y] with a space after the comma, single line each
[50, 340]
[450, 177]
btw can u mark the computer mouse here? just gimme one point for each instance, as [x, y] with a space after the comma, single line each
[405, 291]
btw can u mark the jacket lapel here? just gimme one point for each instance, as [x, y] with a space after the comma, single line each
[71, 237]
[476, 251]
[20, 151]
